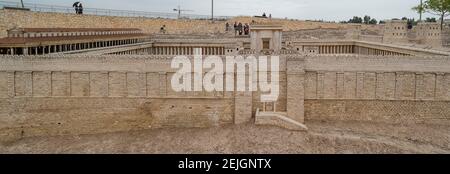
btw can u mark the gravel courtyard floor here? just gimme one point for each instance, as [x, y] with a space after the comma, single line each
[322, 137]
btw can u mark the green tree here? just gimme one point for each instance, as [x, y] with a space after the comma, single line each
[430, 20]
[420, 9]
[356, 20]
[366, 19]
[411, 22]
[438, 7]
[373, 21]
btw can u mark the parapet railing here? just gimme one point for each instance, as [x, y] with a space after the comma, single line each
[104, 12]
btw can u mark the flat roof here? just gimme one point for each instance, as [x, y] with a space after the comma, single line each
[266, 27]
[33, 40]
[75, 29]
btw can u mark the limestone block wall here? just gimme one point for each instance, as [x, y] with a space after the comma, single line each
[11, 18]
[70, 94]
[371, 38]
[380, 89]
[395, 32]
[41, 96]
[429, 34]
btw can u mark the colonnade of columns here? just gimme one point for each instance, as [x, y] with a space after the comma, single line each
[336, 49]
[175, 50]
[378, 52]
[47, 49]
[354, 49]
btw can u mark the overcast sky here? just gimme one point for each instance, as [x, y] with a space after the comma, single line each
[331, 10]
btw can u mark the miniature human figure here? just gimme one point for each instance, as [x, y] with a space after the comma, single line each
[163, 29]
[264, 15]
[235, 28]
[227, 26]
[80, 8]
[246, 29]
[240, 28]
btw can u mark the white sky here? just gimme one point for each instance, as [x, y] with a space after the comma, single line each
[331, 10]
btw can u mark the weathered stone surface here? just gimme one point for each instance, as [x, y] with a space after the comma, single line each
[92, 94]
[60, 84]
[79, 84]
[435, 112]
[42, 84]
[99, 84]
[3, 84]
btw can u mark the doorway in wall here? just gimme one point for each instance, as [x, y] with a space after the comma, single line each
[266, 44]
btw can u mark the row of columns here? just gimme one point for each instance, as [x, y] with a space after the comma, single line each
[168, 50]
[142, 51]
[352, 49]
[336, 49]
[47, 49]
[378, 52]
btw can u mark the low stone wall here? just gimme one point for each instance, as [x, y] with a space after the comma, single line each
[380, 89]
[371, 38]
[381, 111]
[22, 117]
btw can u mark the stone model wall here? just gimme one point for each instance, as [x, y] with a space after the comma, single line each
[395, 32]
[59, 95]
[12, 18]
[424, 33]
[80, 95]
[380, 89]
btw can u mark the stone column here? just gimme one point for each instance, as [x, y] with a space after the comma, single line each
[243, 104]
[11, 84]
[162, 84]
[25, 51]
[296, 90]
